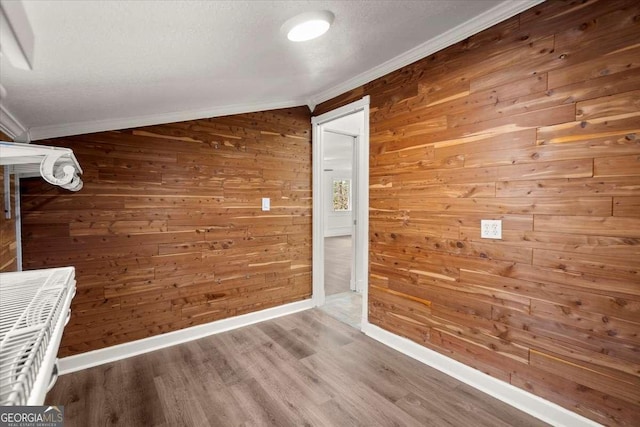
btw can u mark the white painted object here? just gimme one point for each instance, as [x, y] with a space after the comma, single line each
[34, 309]
[156, 342]
[308, 25]
[266, 204]
[16, 36]
[491, 228]
[56, 165]
[360, 189]
[536, 406]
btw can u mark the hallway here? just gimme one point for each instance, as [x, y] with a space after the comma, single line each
[340, 303]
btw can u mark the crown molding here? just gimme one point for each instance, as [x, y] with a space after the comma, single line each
[79, 128]
[10, 125]
[16, 34]
[496, 14]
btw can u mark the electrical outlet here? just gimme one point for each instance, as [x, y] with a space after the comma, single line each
[266, 204]
[491, 228]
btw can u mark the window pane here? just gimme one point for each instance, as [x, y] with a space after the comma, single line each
[341, 195]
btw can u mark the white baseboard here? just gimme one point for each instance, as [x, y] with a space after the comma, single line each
[536, 406]
[122, 351]
[531, 404]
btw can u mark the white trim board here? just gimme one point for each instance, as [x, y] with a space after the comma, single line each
[361, 211]
[9, 124]
[495, 15]
[157, 342]
[81, 128]
[518, 398]
[536, 406]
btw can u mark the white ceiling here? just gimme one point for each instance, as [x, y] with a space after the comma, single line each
[112, 64]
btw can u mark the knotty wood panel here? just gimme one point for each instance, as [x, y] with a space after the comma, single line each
[168, 230]
[535, 121]
[8, 244]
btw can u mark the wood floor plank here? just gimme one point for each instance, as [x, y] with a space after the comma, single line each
[260, 407]
[337, 264]
[229, 358]
[138, 392]
[301, 380]
[304, 369]
[440, 411]
[286, 340]
[491, 410]
[363, 369]
[338, 414]
[176, 403]
[365, 403]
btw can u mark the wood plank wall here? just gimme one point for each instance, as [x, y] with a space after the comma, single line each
[168, 230]
[535, 121]
[8, 243]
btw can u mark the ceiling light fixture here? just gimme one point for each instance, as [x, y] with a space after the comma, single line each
[307, 26]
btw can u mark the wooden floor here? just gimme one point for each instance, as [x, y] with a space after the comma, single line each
[337, 264]
[303, 369]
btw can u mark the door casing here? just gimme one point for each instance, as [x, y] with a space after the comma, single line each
[361, 202]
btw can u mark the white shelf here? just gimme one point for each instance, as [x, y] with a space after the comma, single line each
[58, 166]
[34, 308]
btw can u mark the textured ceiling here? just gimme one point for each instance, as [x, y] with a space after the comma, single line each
[100, 64]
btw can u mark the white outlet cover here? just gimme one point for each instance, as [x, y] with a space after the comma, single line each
[266, 204]
[491, 228]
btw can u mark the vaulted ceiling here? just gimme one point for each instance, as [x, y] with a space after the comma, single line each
[102, 65]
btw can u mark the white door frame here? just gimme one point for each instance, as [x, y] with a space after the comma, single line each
[361, 205]
[355, 142]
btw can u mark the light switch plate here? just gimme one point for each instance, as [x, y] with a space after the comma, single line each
[266, 204]
[491, 228]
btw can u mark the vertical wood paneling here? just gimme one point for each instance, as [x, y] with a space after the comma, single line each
[8, 244]
[535, 121]
[168, 231]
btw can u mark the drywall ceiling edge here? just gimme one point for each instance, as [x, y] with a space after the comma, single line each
[495, 15]
[499, 13]
[80, 128]
[10, 125]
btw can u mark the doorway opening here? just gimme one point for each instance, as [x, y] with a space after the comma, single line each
[340, 212]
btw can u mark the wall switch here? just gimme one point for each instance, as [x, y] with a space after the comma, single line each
[491, 228]
[266, 204]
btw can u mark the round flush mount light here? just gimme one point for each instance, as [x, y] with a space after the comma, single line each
[307, 26]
